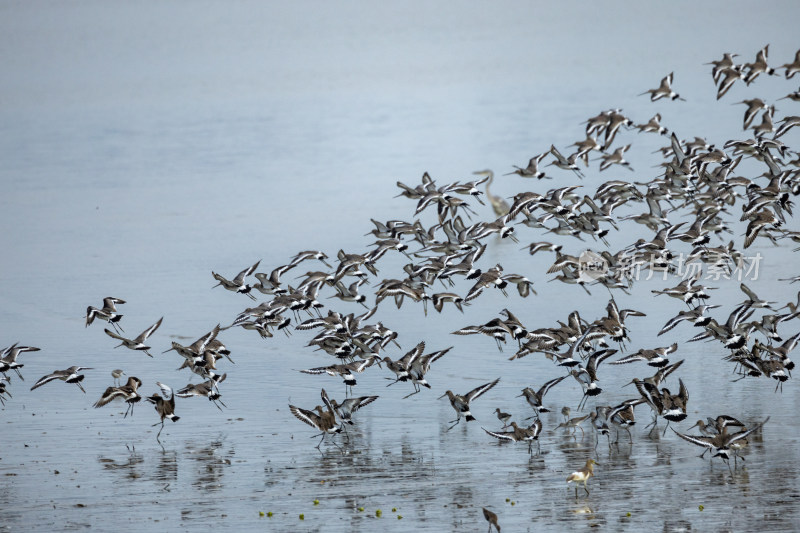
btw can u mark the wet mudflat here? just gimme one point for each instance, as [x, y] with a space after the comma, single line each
[118, 180]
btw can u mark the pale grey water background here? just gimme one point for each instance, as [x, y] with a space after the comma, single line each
[144, 145]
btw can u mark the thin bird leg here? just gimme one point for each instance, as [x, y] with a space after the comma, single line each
[407, 395]
[454, 425]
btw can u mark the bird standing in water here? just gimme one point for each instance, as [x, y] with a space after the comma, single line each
[582, 475]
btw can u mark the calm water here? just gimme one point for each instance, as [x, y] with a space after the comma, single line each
[145, 146]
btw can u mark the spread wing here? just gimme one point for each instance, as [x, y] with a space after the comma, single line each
[475, 393]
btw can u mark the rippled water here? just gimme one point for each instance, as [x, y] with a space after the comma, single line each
[144, 147]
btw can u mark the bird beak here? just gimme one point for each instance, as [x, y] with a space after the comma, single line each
[442, 396]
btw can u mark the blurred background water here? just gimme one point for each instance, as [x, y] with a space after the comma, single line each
[145, 144]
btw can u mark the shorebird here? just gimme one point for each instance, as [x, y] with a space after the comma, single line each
[599, 418]
[4, 380]
[574, 423]
[519, 434]
[720, 444]
[758, 66]
[439, 299]
[8, 358]
[719, 66]
[793, 67]
[165, 407]
[670, 406]
[345, 371]
[587, 376]
[653, 125]
[309, 254]
[728, 76]
[754, 105]
[349, 406]
[687, 290]
[656, 357]
[787, 123]
[564, 162]
[208, 389]
[116, 374]
[127, 392]
[617, 157]
[271, 283]
[532, 170]
[535, 398]
[238, 284]
[107, 313]
[503, 417]
[70, 375]
[623, 416]
[461, 402]
[664, 90]
[697, 316]
[495, 328]
[582, 476]
[350, 293]
[138, 342]
[492, 519]
[753, 301]
[419, 366]
[323, 420]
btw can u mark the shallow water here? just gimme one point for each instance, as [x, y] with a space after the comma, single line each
[143, 148]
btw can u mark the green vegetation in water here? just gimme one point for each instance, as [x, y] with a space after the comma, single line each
[302, 516]
[700, 507]
[378, 513]
[316, 502]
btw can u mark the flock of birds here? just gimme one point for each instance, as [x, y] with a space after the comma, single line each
[697, 179]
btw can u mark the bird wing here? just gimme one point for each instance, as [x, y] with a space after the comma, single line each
[58, 374]
[331, 370]
[239, 279]
[697, 440]
[683, 392]
[109, 395]
[546, 387]
[743, 434]
[354, 404]
[309, 417]
[114, 335]
[476, 392]
[165, 389]
[149, 331]
[327, 401]
[502, 435]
